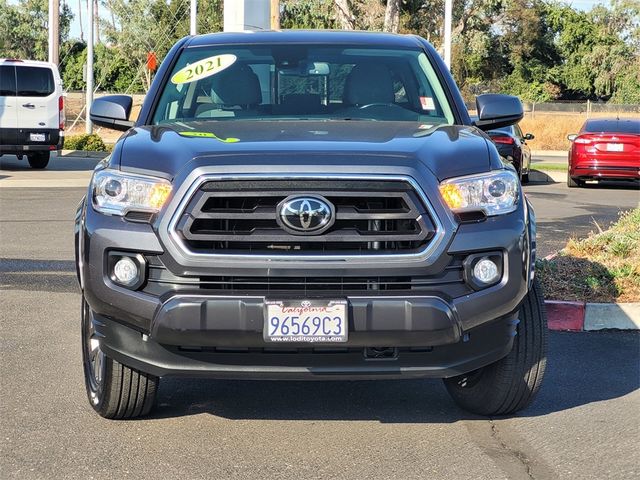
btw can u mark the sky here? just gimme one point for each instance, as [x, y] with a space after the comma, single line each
[75, 26]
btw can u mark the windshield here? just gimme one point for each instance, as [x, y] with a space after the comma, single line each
[302, 82]
[613, 126]
[508, 129]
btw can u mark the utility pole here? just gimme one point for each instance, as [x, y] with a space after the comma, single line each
[96, 17]
[89, 74]
[193, 30]
[80, 20]
[275, 14]
[54, 37]
[246, 15]
[448, 9]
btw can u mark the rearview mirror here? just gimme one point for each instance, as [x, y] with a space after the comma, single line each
[572, 137]
[529, 136]
[319, 68]
[112, 111]
[495, 111]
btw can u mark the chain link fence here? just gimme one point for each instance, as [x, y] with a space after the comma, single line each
[586, 108]
[130, 36]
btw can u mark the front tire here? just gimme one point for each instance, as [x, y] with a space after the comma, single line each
[114, 390]
[39, 160]
[510, 384]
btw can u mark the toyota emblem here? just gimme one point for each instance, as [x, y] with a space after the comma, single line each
[309, 214]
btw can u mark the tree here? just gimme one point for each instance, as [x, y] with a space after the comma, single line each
[599, 49]
[527, 43]
[345, 14]
[537, 49]
[308, 14]
[142, 26]
[392, 16]
[24, 28]
[72, 65]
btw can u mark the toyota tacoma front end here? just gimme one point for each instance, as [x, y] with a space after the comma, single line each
[308, 205]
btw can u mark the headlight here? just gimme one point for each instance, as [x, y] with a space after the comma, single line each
[117, 193]
[494, 193]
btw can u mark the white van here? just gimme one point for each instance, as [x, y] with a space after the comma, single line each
[31, 110]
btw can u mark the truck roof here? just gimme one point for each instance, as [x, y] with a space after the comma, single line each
[307, 36]
[27, 63]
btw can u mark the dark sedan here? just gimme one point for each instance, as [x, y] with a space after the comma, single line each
[512, 145]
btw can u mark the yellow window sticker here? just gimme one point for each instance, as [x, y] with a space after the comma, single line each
[203, 68]
[208, 135]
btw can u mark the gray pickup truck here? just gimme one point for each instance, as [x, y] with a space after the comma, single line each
[308, 205]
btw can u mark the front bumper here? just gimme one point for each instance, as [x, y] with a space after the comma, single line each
[219, 334]
[481, 346]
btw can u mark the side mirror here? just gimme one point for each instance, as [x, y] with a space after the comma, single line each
[572, 137]
[529, 136]
[112, 111]
[495, 111]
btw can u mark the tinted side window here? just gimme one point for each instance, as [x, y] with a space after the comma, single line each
[34, 82]
[7, 81]
[519, 133]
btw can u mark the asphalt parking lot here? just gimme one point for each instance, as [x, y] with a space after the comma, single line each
[585, 423]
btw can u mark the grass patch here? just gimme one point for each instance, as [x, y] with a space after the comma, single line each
[542, 166]
[604, 267]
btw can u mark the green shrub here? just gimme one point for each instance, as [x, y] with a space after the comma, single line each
[92, 143]
[95, 144]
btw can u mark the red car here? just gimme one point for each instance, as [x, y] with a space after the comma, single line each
[605, 149]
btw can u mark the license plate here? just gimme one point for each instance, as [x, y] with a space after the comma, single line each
[307, 321]
[614, 147]
[37, 137]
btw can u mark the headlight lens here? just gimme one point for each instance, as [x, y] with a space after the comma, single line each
[494, 193]
[116, 193]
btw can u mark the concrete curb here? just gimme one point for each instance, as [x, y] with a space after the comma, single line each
[82, 153]
[547, 176]
[584, 317]
[550, 153]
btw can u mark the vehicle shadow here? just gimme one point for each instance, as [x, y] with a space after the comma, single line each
[544, 179]
[582, 369]
[38, 275]
[610, 185]
[10, 163]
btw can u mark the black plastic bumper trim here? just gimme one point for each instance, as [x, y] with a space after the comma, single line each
[191, 320]
[484, 345]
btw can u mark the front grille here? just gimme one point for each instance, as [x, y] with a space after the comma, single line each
[449, 282]
[241, 217]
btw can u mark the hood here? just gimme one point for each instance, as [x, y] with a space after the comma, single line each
[165, 150]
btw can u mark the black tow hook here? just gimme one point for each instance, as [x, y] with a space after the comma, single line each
[380, 353]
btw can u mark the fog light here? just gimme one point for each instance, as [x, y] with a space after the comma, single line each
[125, 271]
[485, 271]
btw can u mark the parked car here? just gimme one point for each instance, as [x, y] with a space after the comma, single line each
[31, 110]
[307, 205]
[512, 145]
[605, 149]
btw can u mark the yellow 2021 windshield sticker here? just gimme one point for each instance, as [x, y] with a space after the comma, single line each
[203, 68]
